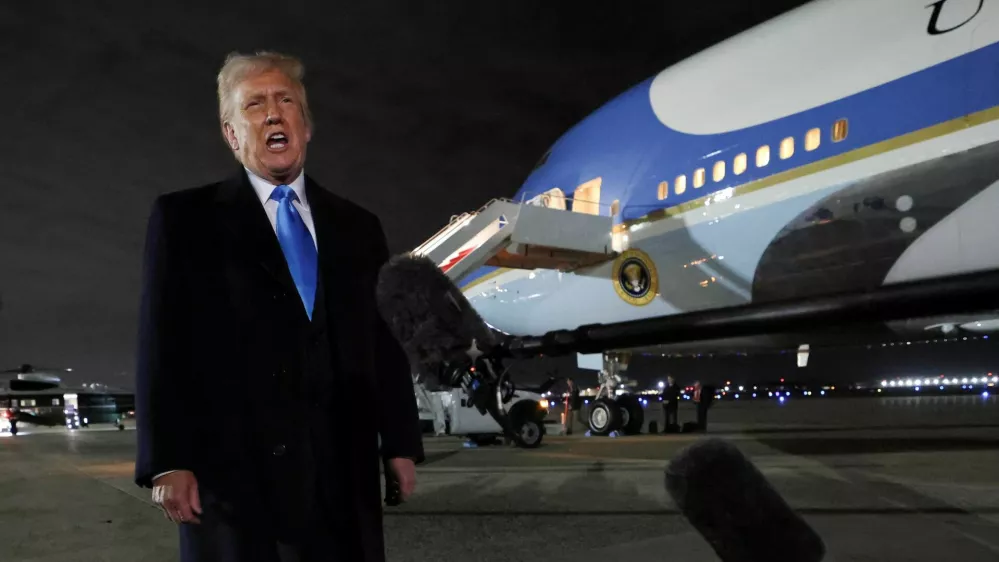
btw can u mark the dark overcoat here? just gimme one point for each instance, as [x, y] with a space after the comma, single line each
[222, 385]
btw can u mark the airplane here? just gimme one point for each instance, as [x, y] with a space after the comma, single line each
[52, 403]
[842, 147]
[30, 378]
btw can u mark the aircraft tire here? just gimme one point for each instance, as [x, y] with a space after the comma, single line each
[604, 416]
[632, 414]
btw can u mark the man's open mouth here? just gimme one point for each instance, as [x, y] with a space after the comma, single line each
[277, 141]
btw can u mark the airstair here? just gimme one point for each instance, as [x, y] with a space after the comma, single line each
[514, 235]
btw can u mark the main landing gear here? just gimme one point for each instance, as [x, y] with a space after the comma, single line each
[609, 413]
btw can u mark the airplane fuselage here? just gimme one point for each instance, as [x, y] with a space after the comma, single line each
[845, 145]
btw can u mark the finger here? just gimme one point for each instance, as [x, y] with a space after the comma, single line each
[182, 508]
[187, 516]
[195, 499]
[175, 509]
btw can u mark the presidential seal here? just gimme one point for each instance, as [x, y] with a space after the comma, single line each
[635, 278]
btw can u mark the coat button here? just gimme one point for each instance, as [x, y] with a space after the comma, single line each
[279, 450]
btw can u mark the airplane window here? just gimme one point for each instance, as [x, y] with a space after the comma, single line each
[812, 139]
[699, 177]
[718, 174]
[663, 190]
[739, 164]
[839, 130]
[787, 148]
[681, 184]
[763, 156]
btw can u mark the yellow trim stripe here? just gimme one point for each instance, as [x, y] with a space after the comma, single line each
[933, 131]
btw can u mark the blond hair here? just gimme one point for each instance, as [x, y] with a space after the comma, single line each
[238, 66]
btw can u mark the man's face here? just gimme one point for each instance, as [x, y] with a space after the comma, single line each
[268, 130]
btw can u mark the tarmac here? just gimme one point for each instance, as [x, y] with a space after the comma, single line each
[878, 478]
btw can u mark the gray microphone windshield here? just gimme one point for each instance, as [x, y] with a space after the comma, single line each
[427, 313]
[733, 506]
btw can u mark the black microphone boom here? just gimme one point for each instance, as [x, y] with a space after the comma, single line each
[962, 294]
[731, 504]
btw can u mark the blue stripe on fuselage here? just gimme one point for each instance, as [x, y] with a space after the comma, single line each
[626, 145]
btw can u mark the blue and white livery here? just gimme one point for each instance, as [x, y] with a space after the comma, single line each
[842, 146]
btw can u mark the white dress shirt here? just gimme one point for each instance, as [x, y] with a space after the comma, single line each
[264, 190]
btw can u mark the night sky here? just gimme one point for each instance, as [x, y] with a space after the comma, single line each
[423, 110]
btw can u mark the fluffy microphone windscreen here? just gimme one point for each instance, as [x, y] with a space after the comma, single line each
[426, 312]
[733, 506]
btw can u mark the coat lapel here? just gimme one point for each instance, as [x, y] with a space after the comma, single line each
[333, 229]
[250, 233]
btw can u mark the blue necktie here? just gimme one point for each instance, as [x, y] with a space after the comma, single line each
[296, 242]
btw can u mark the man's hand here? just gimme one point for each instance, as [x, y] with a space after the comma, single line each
[405, 473]
[177, 494]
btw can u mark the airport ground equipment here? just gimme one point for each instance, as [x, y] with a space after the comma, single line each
[454, 413]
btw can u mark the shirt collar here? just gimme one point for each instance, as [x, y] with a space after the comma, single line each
[264, 188]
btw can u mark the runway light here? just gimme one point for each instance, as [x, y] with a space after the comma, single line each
[741, 389]
[770, 394]
[917, 389]
[662, 384]
[941, 388]
[985, 394]
[893, 383]
[823, 393]
[737, 396]
[884, 383]
[782, 399]
[789, 394]
[754, 395]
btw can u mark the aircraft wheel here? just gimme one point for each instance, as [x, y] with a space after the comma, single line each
[604, 416]
[632, 414]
